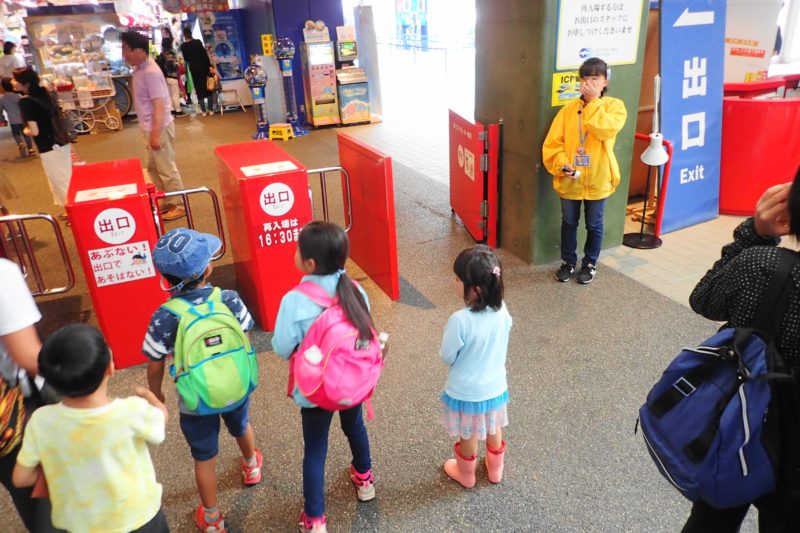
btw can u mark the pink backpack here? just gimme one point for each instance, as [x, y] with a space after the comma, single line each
[331, 367]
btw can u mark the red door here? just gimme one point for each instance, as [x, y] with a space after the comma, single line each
[467, 177]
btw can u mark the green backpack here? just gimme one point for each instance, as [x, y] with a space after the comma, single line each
[215, 367]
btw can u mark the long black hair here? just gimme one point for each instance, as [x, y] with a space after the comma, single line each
[327, 244]
[480, 269]
[26, 75]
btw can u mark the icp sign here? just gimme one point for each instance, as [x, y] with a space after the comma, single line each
[692, 61]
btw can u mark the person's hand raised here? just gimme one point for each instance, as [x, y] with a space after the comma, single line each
[771, 218]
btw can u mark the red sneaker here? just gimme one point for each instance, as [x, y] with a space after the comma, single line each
[218, 526]
[252, 476]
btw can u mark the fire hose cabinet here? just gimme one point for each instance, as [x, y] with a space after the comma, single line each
[111, 217]
[266, 198]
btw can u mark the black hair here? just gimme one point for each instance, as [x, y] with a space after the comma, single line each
[594, 66]
[74, 360]
[794, 206]
[135, 40]
[26, 75]
[187, 32]
[8, 48]
[187, 285]
[166, 44]
[479, 269]
[327, 244]
[7, 85]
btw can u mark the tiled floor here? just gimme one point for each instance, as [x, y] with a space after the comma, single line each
[674, 268]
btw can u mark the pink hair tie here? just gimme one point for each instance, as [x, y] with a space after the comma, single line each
[496, 271]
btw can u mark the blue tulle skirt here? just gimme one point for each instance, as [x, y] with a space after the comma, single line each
[465, 419]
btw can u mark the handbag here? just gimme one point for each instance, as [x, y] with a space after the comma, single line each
[12, 417]
[15, 409]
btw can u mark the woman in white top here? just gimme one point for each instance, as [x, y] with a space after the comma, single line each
[10, 60]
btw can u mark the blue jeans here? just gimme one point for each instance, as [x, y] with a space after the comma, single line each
[316, 423]
[570, 216]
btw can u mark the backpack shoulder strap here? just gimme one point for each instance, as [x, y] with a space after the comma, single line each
[772, 308]
[215, 296]
[177, 306]
[315, 293]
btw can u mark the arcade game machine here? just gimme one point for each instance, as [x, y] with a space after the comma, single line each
[353, 89]
[319, 81]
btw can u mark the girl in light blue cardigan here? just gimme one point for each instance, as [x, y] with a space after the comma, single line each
[474, 346]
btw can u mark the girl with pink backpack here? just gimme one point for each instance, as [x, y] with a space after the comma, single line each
[322, 250]
[474, 346]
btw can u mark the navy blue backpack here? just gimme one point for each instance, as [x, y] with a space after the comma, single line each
[711, 422]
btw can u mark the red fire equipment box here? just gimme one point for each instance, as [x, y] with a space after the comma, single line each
[265, 193]
[112, 221]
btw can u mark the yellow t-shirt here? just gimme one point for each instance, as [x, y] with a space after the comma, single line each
[97, 464]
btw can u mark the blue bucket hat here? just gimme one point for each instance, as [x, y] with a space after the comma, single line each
[184, 254]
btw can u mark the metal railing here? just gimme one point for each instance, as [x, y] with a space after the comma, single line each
[323, 187]
[184, 194]
[16, 244]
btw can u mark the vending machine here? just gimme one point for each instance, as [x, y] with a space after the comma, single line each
[353, 89]
[319, 83]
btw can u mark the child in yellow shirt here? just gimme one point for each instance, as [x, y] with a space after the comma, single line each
[579, 152]
[91, 448]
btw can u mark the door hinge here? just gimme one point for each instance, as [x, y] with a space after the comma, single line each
[482, 135]
[485, 162]
[482, 224]
[484, 208]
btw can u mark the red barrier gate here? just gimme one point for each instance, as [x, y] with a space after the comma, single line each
[474, 177]
[370, 212]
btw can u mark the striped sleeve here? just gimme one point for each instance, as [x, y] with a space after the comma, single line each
[239, 310]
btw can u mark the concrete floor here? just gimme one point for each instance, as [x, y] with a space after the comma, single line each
[581, 360]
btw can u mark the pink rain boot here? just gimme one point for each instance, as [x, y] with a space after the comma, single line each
[462, 469]
[494, 462]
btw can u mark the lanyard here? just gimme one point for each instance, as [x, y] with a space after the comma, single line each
[582, 136]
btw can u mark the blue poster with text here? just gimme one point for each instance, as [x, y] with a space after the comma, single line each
[692, 62]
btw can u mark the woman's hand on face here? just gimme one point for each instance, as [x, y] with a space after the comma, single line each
[771, 218]
[591, 89]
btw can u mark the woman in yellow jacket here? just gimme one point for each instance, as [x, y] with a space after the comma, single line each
[579, 153]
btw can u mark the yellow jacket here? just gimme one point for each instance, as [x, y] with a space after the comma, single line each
[602, 119]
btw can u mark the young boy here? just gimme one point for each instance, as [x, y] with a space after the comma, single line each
[579, 152]
[9, 102]
[183, 257]
[91, 448]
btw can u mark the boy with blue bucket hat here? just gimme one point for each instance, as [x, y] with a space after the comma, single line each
[214, 367]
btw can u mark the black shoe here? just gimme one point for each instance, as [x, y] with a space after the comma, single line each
[178, 114]
[565, 272]
[587, 273]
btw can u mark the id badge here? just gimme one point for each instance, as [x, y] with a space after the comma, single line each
[582, 160]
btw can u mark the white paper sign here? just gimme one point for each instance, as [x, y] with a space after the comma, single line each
[608, 30]
[106, 193]
[268, 168]
[114, 226]
[121, 264]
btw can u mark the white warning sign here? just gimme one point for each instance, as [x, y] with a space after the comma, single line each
[122, 263]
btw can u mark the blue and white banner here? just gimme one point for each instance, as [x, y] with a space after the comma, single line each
[692, 64]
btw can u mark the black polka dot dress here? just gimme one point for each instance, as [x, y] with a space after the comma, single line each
[732, 290]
